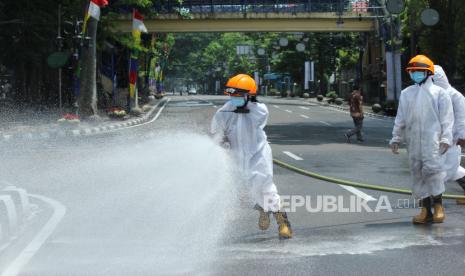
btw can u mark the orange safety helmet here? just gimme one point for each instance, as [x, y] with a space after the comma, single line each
[420, 62]
[241, 84]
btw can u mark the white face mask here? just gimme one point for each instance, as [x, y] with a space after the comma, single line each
[237, 101]
[418, 76]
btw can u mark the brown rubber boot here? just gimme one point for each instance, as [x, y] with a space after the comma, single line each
[438, 216]
[285, 231]
[425, 216]
[264, 219]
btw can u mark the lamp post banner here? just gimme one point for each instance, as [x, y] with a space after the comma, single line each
[309, 75]
[394, 81]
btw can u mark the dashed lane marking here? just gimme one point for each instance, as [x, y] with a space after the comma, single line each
[358, 193]
[290, 154]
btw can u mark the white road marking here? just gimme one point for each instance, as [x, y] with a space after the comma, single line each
[159, 111]
[305, 116]
[215, 106]
[31, 249]
[358, 193]
[193, 104]
[366, 117]
[325, 123]
[290, 154]
[288, 111]
[154, 118]
[276, 106]
[303, 107]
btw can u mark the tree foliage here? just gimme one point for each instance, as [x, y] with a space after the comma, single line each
[215, 55]
[443, 42]
[28, 32]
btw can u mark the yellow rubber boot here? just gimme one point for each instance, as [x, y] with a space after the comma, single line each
[284, 227]
[438, 216]
[425, 215]
[264, 219]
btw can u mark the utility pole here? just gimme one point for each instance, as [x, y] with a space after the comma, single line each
[393, 8]
[60, 42]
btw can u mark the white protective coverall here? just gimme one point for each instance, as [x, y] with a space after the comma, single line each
[250, 150]
[454, 170]
[424, 120]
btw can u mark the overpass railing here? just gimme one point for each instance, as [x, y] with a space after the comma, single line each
[269, 6]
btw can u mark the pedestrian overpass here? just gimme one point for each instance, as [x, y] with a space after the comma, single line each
[259, 16]
[365, 16]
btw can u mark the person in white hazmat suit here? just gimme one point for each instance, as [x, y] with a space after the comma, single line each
[455, 172]
[424, 121]
[239, 124]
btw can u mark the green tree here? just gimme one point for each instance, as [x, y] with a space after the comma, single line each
[443, 42]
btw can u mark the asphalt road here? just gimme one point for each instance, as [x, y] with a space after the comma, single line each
[161, 199]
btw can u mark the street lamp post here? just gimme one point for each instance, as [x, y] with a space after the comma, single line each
[73, 30]
[60, 44]
[217, 79]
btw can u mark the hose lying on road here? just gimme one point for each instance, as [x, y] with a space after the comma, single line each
[353, 184]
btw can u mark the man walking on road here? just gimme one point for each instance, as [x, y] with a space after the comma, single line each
[356, 112]
[454, 155]
[424, 121]
[239, 123]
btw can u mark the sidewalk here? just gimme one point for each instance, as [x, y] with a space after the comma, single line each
[25, 123]
[344, 107]
[367, 111]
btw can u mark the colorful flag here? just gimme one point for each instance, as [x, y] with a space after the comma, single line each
[93, 11]
[94, 8]
[138, 26]
[137, 22]
[132, 75]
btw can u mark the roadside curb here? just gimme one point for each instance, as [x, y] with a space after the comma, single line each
[76, 132]
[369, 114]
[15, 211]
[16, 217]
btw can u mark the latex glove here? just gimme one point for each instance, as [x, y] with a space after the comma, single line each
[443, 147]
[461, 142]
[395, 148]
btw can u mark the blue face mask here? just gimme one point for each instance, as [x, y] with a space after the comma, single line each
[418, 76]
[237, 101]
